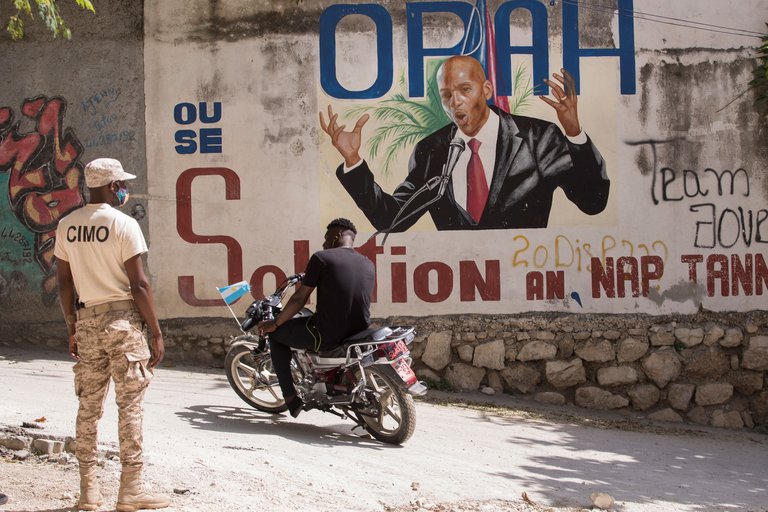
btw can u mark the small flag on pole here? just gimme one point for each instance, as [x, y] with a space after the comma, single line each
[232, 292]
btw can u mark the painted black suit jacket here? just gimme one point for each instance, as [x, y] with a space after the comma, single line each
[533, 158]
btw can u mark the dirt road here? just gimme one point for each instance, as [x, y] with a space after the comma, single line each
[217, 454]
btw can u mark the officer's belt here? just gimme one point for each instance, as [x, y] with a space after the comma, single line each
[99, 309]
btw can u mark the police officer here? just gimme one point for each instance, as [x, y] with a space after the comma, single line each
[98, 251]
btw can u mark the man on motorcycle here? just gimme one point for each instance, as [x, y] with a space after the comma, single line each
[344, 280]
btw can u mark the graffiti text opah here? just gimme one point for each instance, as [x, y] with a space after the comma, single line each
[419, 51]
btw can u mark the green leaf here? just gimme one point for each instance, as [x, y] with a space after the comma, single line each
[399, 142]
[395, 133]
[48, 12]
[23, 6]
[86, 4]
[522, 93]
[15, 28]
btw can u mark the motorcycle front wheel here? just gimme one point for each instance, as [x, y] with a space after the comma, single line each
[391, 414]
[251, 376]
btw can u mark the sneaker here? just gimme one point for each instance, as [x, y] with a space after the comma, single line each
[295, 406]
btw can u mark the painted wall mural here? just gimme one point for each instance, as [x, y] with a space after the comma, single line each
[43, 180]
[601, 185]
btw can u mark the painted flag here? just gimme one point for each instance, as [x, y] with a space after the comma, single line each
[481, 44]
[232, 292]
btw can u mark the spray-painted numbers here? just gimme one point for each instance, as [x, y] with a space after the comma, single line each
[105, 122]
[562, 252]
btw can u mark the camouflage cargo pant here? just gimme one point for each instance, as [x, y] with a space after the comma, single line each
[111, 345]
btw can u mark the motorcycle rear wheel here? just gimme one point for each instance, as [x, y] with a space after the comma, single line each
[252, 378]
[394, 419]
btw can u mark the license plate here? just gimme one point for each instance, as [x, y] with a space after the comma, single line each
[403, 369]
[395, 350]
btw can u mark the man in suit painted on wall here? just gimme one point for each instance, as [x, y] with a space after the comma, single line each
[506, 176]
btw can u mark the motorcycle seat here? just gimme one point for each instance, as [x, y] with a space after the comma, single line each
[374, 333]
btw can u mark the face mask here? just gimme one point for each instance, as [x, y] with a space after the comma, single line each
[122, 195]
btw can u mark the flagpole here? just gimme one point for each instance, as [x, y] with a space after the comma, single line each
[469, 30]
[237, 321]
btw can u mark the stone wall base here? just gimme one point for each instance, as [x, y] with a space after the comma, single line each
[707, 369]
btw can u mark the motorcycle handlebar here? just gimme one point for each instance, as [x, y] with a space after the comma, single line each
[289, 281]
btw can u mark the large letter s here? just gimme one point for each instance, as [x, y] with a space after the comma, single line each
[184, 228]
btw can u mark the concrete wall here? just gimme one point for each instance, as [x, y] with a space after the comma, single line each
[234, 90]
[62, 104]
[214, 105]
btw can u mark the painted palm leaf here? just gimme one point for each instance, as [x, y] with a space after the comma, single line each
[522, 91]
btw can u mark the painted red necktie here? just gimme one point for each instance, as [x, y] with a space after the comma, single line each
[477, 186]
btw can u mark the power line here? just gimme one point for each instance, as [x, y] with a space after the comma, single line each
[657, 18]
[750, 32]
[653, 17]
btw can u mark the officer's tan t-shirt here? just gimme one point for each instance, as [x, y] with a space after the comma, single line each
[96, 240]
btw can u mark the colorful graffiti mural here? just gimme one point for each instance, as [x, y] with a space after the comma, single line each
[44, 182]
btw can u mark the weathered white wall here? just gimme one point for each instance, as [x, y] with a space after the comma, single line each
[261, 63]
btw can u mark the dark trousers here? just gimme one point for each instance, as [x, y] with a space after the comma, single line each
[298, 332]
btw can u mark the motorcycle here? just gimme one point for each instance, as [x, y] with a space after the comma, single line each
[367, 379]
